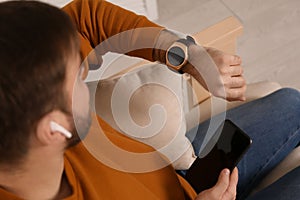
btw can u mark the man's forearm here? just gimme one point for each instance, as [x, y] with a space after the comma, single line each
[124, 31]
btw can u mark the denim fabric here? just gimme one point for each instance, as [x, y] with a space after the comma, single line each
[286, 188]
[273, 124]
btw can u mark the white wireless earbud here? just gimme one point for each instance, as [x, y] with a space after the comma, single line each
[56, 127]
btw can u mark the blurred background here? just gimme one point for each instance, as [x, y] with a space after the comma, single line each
[269, 46]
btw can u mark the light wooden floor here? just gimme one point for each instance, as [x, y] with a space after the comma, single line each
[270, 45]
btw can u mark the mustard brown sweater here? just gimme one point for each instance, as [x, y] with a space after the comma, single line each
[91, 179]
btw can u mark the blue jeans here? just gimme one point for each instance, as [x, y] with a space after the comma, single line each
[273, 123]
[286, 188]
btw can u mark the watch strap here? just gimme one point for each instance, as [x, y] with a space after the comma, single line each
[189, 40]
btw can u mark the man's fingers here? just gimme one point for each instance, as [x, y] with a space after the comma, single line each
[236, 60]
[235, 94]
[225, 188]
[229, 83]
[223, 183]
[233, 181]
[232, 89]
[231, 190]
[235, 82]
[236, 70]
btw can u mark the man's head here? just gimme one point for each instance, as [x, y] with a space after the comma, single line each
[39, 65]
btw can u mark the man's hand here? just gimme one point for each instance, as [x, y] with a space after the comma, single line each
[218, 72]
[225, 188]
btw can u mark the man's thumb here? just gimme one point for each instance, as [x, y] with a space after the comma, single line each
[223, 181]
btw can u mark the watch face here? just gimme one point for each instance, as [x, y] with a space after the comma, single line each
[176, 56]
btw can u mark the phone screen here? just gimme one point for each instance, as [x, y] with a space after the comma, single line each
[226, 153]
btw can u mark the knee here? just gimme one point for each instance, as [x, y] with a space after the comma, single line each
[288, 95]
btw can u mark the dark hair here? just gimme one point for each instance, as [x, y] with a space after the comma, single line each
[35, 41]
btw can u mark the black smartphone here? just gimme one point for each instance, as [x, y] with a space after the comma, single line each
[231, 145]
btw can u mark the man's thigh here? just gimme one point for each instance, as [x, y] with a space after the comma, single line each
[272, 123]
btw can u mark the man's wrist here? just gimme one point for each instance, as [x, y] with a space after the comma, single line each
[164, 41]
[167, 39]
[188, 66]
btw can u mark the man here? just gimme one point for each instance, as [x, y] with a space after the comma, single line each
[43, 98]
[40, 66]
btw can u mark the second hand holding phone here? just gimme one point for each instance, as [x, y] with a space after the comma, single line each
[231, 145]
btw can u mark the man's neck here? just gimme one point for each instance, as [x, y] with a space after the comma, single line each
[40, 177]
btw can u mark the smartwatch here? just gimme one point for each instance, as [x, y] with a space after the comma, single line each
[177, 53]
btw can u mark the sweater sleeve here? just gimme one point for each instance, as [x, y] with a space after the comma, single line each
[99, 21]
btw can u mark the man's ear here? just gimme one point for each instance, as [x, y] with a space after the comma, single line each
[49, 129]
